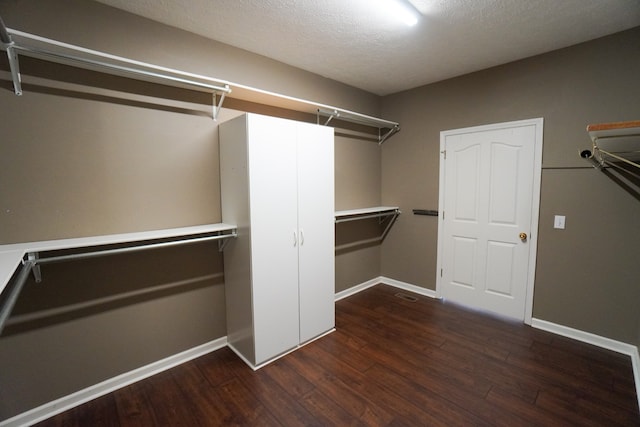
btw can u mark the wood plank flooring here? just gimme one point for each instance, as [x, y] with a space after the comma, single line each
[391, 362]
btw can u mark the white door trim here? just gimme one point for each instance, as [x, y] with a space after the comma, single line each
[535, 202]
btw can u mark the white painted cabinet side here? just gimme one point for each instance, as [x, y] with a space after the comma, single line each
[234, 184]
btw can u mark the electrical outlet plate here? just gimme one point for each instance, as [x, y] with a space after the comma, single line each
[558, 222]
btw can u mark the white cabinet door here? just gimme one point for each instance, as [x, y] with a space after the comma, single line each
[316, 224]
[274, 235]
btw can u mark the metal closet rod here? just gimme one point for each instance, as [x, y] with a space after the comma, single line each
[363, 119]
[121, 68]
[12, 298]
[32, 262]
[598, 160]
[367, 216]
[92, 254]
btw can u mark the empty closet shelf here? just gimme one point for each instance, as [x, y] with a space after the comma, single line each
[617, 141]
[28, 254]
[380, 212]
[365, 213]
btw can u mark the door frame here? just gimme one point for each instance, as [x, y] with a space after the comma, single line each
[538, 123]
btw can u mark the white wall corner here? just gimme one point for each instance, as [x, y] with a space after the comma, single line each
[408, 287]
[386, 281]
[357, 288]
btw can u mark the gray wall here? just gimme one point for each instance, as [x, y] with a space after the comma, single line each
[586, 275]
[85, 154]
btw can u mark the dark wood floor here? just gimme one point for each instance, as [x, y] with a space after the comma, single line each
[390, 362]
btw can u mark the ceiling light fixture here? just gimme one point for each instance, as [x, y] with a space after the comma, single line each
[401, 10]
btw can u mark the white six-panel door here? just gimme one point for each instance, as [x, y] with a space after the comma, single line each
[488, 199]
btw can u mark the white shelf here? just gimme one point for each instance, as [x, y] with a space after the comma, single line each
[364, 213]
[12, 255]
[9, 261]
[23, 43]
[619, 141]
[380, 212]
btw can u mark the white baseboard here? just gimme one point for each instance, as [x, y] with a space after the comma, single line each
[635, 361]
[358, 288]
[408, 287]
[280, 356]
[589, 338]
[67, 402]
[387, 281]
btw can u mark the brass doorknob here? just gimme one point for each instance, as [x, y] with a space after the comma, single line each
[523, 236]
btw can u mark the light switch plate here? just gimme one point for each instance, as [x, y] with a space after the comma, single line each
[558, 222]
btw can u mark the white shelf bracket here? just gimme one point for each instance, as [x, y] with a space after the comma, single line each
[387, 135]
[332, 114]
[32, 258]
[222, 243]
[362, 119]
[394, 216]
[14, 66]
[9, 46]
[217, 107]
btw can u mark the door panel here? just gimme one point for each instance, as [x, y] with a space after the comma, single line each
[488, 187]
[316, 215]
[467, 174]
[504, 184]
[274, 235]
[464, 251]
[500, 259]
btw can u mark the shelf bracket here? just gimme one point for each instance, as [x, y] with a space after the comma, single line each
[330, 117]
[388, 135]
[394, 216]
[385, 214]
[362, 119]
[14, 66]
[9, 46]
[591, 157]
[224, 239]
[32, 258]
[216, 107]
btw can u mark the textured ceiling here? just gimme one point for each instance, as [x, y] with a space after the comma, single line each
[349, 41]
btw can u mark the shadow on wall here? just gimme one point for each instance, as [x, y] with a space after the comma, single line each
[62, 80]
[626, 176]
[360, 234]
[71, 290]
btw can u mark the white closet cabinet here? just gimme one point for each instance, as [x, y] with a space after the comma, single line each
[277, 185]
